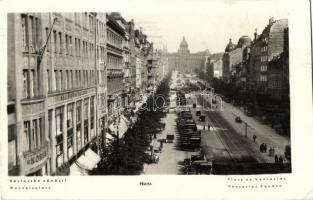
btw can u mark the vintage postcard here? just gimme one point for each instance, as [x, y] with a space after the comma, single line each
[156, 100]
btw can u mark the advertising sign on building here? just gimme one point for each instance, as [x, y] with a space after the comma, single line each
[35, 159]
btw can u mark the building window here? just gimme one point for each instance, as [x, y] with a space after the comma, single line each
[70, 116]
[66, 45]
[55, 82]
[70, 46]
[86, 138]
[61, 78]
[27, 135]
[34, 137]
[25, 84]
[50, 124]
[47, 38]
[78, 124]
[24, 33]
[60, 44]
[92, 113]
[48, 81]
[65, 76]
[59, 121]
[12, 147]
[55, 39]
[59, 151]
[59, 135]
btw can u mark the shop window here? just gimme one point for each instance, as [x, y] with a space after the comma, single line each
[70, 117]
[59, 151]
[59, 121]
[78, 124]
[49, 124]
[92, 113]
[12, 147]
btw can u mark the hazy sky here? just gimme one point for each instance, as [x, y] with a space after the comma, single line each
[206, 25]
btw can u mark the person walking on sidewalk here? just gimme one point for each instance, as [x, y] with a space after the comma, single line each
[280, 160]
[208, 126]
[254, 138]
[276, 159]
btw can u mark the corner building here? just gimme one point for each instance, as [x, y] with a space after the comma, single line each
[56, 90]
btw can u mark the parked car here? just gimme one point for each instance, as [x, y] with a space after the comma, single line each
[250, 114]
[238, 120]
[156, 154]
[198, 112]
[169, 138]
[202, 118]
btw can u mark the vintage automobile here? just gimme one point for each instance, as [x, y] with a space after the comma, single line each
[202, 118]
[238, 119]
[198, 112]
[169, 138]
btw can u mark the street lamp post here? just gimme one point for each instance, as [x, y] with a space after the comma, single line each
[246, 129]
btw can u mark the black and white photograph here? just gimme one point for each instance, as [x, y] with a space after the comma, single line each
[188, 90]
[94, 94]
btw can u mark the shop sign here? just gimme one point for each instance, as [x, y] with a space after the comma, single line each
[35, 159]
[70, 95]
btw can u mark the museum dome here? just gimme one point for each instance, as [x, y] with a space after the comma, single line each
[244, 41]
[183, 44]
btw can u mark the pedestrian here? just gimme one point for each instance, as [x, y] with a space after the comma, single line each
[254, 138]
[276, 159]
[208, 126]
[203, 127]
[280, 160]
[261, 148]
[270, 151]
[265, 148]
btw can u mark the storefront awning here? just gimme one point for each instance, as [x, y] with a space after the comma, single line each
[109, 137]
[122, 127]
[90, 154]
[87, 161]
[77, 171]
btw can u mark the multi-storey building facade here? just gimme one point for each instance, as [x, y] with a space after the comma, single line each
[232, 60]
[267, 45]
[115, 38]
[278, 73]
[185, 61]
[53, 112]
